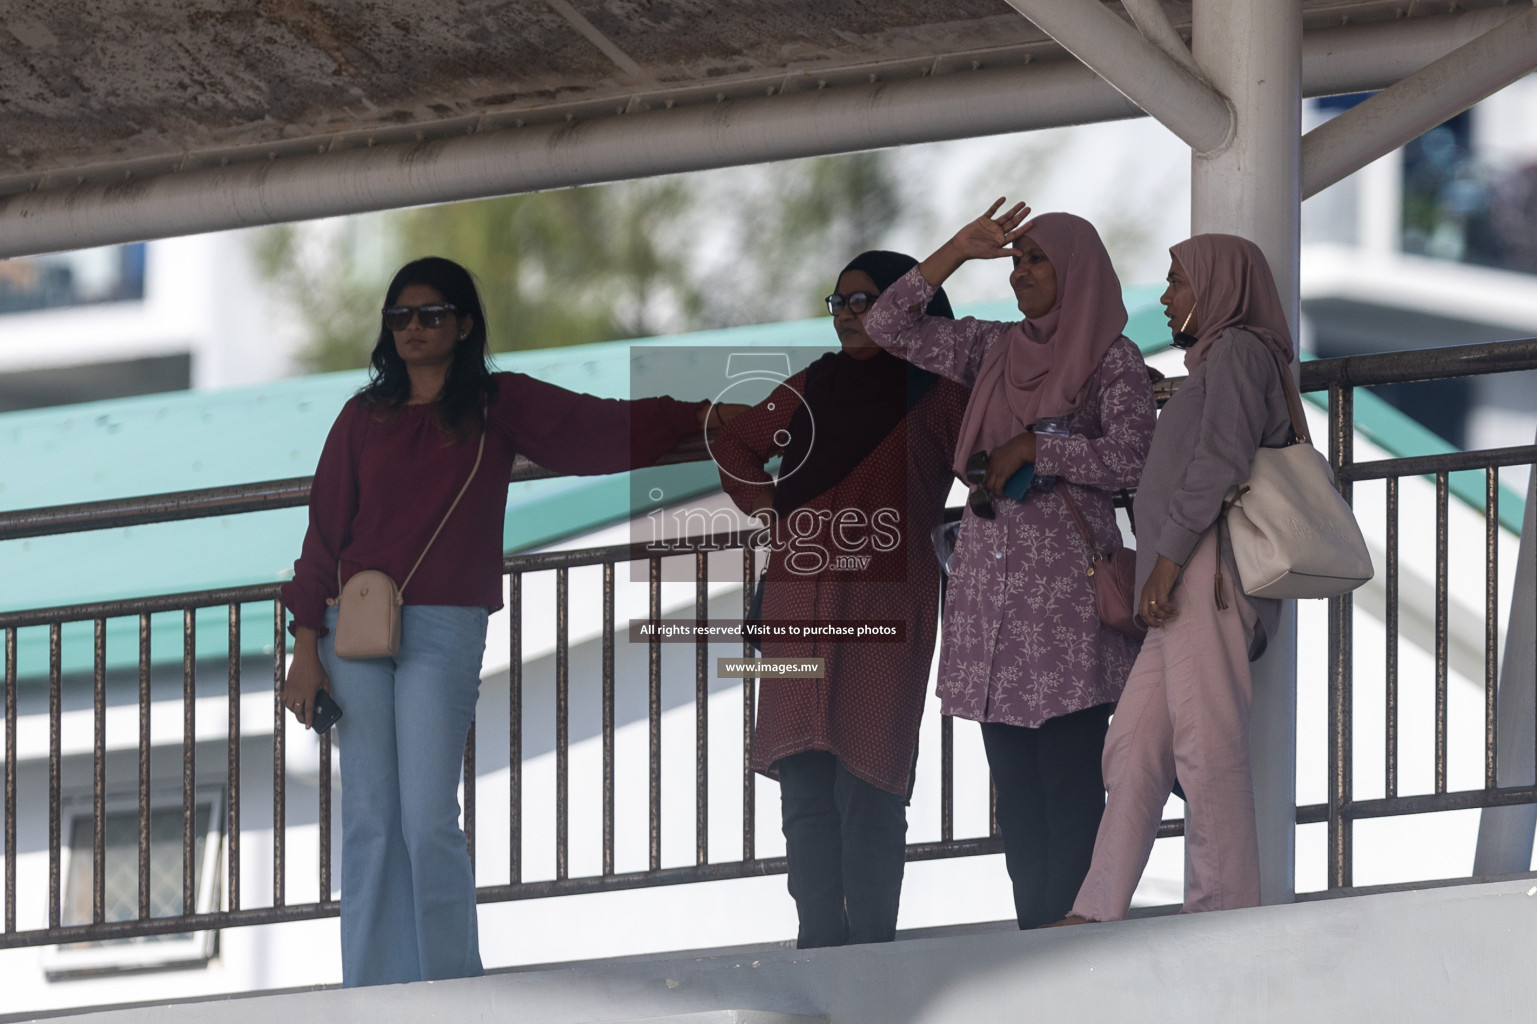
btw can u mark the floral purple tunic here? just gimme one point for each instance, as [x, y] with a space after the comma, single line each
[1022, 641]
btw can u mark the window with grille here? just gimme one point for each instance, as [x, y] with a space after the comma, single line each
[120, 883]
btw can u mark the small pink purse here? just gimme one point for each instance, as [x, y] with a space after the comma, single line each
[368, 606]
[1115, 579]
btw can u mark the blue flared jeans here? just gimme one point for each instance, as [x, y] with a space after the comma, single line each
[408, 893]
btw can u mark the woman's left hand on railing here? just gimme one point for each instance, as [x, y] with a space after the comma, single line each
[305, 677]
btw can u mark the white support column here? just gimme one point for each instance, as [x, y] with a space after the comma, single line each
[1251, 50]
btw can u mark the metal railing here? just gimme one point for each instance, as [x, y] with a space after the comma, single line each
[1338, 377]
[517, 567]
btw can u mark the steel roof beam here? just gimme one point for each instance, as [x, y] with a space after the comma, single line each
[131, 205]
[1155, 24]
[590, 32]
[560, 154]
[1172, 92]
[1414, 105]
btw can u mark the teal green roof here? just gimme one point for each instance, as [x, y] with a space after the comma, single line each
[1401, 435]
[189, 440]
[186, 440]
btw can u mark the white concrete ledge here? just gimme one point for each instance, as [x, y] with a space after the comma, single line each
[730, 1017]
[1455, 953]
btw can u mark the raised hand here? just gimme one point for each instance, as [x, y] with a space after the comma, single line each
[986, 238]
[990, 235]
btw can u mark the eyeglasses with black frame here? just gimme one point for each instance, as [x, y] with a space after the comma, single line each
[431, 315]
[857, 302]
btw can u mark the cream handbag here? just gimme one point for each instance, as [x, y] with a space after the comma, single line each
[1293, 534]
[368, 607]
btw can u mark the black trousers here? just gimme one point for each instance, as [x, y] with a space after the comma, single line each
[1051, 795]
[846, 842]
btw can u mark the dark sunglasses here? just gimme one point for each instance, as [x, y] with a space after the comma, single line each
[431, 315]
[857, 302]
[981, 501]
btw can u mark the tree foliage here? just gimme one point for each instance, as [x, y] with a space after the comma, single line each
[565, 268]
[792, 226]
[331, 291]
[599, 263]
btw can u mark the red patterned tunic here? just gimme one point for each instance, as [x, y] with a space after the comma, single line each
[867, 708]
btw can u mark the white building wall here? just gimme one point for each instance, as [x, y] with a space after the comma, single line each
[1504, 128]
[202, 297]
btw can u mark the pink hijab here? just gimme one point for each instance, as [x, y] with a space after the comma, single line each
[1233, 288]
[1041, 367]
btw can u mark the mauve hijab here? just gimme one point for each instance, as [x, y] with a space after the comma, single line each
[1233, 288]
[1041, 367]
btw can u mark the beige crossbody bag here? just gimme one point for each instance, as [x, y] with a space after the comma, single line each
[1293, 535]
[368, 607]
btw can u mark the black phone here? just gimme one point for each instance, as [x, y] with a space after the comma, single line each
[327, 711]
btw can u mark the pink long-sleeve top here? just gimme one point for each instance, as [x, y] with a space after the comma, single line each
[387, 476]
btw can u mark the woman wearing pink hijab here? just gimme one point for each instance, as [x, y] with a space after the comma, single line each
[1063, 394]
[1185, 711]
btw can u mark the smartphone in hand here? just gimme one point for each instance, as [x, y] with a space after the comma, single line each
[327, 711]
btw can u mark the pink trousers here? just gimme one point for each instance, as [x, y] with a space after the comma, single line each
[1185, 714]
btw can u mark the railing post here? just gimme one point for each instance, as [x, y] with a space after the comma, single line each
[1505, 833]
[10, 780]
[608, 717]
[701, 712]
[654, 718]
[279, 758]
[144, 746]
[515, 728]
[1340, 834]
[233, 733]
[55, 766]
[749, 707]
[562, 719]
[99, 779]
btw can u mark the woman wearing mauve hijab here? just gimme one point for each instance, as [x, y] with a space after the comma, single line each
[1024, 653]
[863, 477]
[1186, 706]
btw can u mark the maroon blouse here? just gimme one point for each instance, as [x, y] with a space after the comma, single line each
[386, 477]
[868, 707]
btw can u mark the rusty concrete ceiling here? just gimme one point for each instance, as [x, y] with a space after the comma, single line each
[92, 89]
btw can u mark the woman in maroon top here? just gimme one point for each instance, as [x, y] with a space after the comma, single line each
[851, 515]
[400, 451]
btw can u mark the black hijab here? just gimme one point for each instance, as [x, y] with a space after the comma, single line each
[856, 403]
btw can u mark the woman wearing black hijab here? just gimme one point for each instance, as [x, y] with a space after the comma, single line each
[865, 442]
